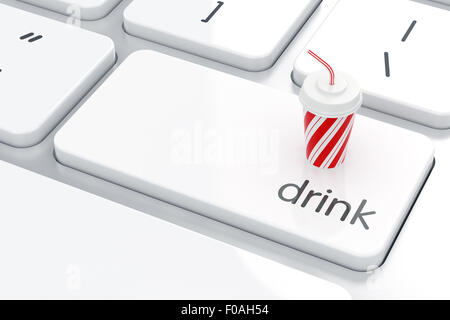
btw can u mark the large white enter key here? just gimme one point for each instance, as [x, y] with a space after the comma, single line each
[233, 150]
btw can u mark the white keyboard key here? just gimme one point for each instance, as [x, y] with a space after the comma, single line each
[397, 51]
[247, 34]
[225, 147]
[46, 68]
[62, 243]
[80, 9]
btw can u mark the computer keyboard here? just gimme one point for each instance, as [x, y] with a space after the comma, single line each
[149, 118]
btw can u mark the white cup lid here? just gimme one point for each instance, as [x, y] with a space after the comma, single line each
[338, 100]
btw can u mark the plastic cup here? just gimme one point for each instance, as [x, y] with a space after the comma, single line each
[329, 115]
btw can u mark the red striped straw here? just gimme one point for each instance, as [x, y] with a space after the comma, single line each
[330, 69]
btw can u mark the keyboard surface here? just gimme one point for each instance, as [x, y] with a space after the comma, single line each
[83, 246]
[410, 270]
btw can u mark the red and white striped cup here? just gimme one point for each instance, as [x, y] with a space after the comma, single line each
[330, 110]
